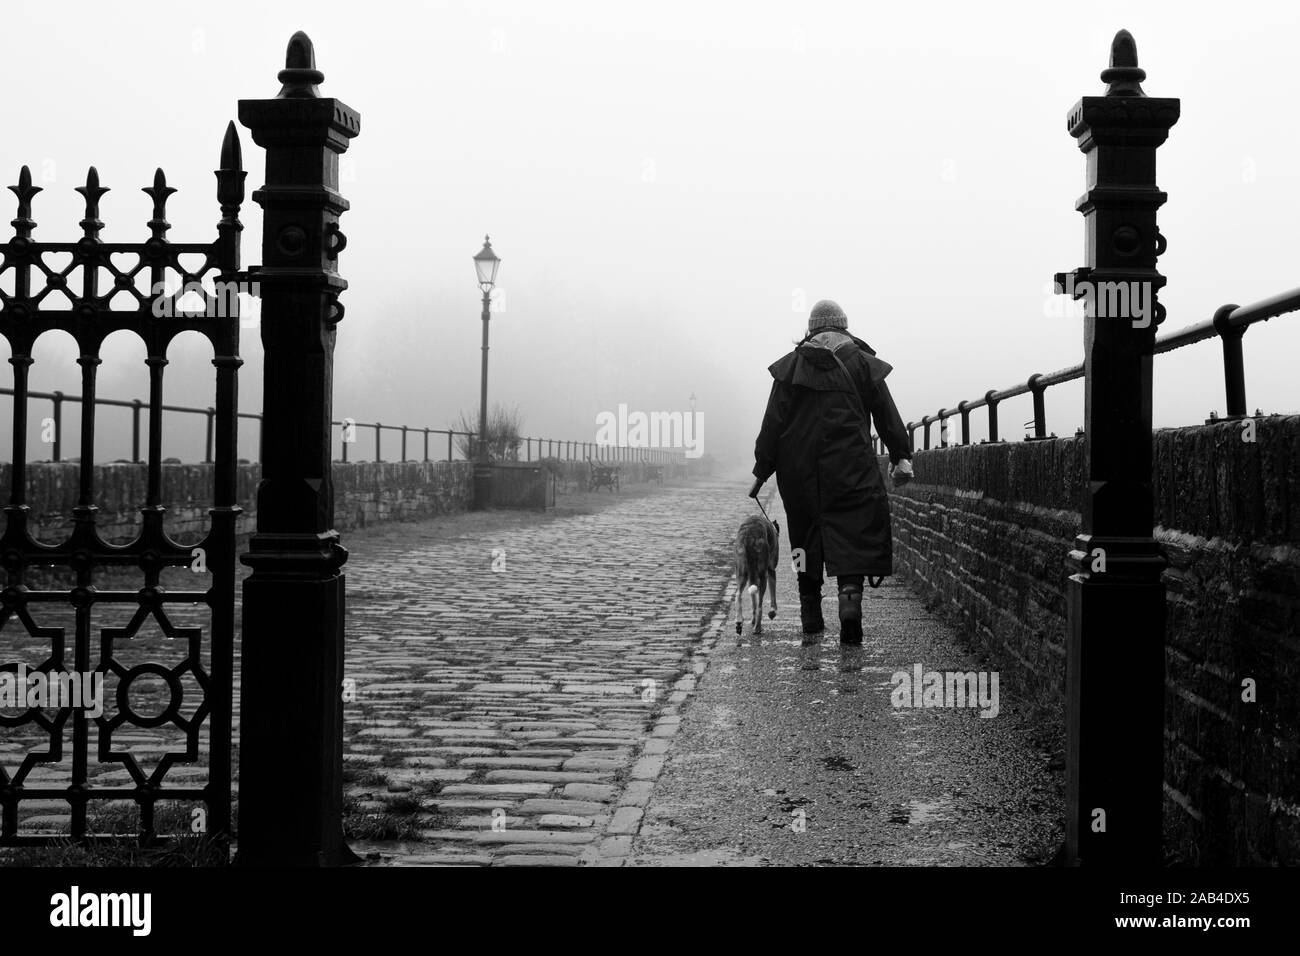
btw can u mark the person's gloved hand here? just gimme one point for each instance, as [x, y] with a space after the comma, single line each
[902, 472]
[754, 489]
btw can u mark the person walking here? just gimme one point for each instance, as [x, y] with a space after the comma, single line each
[816, 438]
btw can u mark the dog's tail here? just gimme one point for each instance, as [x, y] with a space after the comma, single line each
[756, 563]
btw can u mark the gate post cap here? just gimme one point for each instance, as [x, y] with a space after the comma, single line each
[1123, 77]
[300, 75]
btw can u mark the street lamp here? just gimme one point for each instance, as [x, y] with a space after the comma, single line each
[693, 431]
[486, 264]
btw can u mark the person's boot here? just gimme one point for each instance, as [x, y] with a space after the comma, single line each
[851, 614]
[810, 613]
[810, 608]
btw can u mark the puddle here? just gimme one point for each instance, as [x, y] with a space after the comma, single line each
[921, 812]
[933, 812]
[836, 762]
[715, 856]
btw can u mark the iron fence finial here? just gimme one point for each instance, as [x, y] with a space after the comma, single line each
[92, 192]
[230, 174]
[24, 191]
[230, 194]
[232, 154]
[159, 192]
[1123, 77]
[300, 76]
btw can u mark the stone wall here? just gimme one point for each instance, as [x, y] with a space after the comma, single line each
[985, 529]
[365, 493]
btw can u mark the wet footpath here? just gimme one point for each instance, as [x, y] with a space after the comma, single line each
[572, 692]
[792, 754]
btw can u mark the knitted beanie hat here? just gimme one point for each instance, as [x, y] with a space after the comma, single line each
[827, 315]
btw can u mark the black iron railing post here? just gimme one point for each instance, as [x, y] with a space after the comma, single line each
[1115, 659]
[378, 439]
[291, 715]
[207, 447]
[57, 419]
[1040, 406]
[1234, 368]
[136, 405]
[993, 414]
[224, 452]
[964, 408]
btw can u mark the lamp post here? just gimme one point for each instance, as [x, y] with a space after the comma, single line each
[693, 413]
[486, 264]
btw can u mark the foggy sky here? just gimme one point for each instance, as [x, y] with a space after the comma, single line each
[671, 186]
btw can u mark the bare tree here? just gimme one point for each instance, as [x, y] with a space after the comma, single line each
[503, 438]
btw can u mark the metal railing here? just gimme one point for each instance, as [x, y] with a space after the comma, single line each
[1229, 324]
[57, 398]
[554, 448]
[564, 450]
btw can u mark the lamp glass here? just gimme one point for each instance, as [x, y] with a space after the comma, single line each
[486, 264]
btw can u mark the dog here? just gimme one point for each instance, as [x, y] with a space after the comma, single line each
[758, 547]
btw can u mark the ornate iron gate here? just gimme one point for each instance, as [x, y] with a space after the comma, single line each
[153, 315]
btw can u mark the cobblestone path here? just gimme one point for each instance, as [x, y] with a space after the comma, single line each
[517, 715]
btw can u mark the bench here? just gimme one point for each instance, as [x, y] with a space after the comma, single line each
[602, 476]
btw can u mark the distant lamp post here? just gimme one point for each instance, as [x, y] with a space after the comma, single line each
[486, 264]
[693, 431]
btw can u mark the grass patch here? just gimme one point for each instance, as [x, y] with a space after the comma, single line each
[404, 804]
[364, 777]
[116, 842]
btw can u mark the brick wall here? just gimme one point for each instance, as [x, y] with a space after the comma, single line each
[984, 531]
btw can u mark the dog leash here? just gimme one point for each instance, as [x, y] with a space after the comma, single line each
[765, 515]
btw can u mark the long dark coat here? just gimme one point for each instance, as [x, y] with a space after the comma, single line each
[816, 437]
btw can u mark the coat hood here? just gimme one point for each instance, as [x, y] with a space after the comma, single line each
[815, 367]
